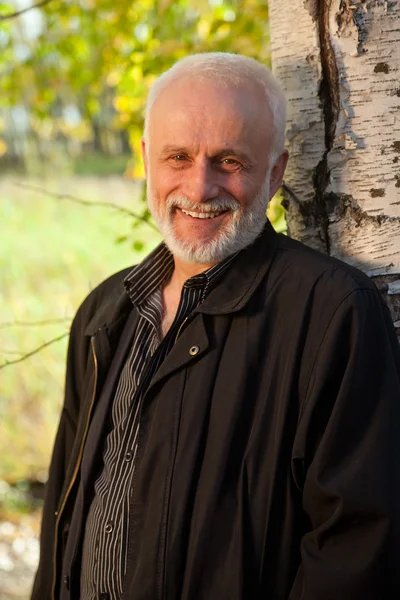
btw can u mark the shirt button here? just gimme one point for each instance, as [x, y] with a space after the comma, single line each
[128, 456]
[108, 528]
[194, 350]
[66, 581]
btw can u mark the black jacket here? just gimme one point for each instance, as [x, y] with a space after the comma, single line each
[269, 461]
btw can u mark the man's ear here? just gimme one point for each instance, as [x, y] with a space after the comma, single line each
[144, 154]
[277, 173]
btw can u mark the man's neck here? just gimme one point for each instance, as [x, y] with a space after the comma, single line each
[184, 271]
[173, 288]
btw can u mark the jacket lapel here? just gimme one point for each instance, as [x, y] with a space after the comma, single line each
[232, 293]
[242, 278]
[189, 347]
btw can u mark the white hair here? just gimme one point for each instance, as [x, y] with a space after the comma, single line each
[233, 70]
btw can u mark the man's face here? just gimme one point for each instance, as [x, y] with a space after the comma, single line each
[207, 166]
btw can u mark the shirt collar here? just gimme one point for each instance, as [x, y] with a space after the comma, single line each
[241, 280]
[144, 279]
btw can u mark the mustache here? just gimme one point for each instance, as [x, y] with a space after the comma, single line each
[215, 204]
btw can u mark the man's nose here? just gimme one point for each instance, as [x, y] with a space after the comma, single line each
[201, 184]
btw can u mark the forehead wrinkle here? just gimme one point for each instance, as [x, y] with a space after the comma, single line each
[208, 121]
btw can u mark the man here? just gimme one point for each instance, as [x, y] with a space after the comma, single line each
[231, 426]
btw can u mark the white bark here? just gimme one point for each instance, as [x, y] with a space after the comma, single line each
[339, 61]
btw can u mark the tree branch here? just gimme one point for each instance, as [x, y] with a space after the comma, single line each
[34, 323]
[292, 193]
[24, 10]
[8, 363]
[116, 207]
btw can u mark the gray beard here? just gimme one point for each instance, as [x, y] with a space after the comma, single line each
[243, 227]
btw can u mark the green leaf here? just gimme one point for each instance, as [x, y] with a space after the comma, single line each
[138, 246]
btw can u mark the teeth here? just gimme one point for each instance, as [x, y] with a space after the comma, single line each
[202, 215]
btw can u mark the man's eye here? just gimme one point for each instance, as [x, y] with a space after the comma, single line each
[178, 157]
[230, 162]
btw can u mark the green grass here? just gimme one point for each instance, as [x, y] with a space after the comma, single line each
[52, 253]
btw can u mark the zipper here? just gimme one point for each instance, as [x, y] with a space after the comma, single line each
[180, 328]
[76, 469]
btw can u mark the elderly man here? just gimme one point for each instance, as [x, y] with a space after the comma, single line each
[231, 426]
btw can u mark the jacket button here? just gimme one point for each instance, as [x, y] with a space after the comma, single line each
[66, 581]
[194, 350]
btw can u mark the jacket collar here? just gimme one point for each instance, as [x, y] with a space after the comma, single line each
[232, 292]
[245, 273]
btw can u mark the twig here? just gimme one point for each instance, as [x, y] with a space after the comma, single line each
[24, 10]
[116, 207]
[35, 351]
[293, 194]
[34, 323]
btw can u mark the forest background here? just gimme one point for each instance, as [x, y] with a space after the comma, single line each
[74, 76]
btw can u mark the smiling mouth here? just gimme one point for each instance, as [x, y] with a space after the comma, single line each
[203, 215]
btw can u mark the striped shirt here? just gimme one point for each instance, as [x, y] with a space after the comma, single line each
[105, 537]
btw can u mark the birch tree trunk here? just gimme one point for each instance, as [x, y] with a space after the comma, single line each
[339, 62]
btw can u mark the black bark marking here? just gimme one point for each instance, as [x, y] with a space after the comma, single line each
[398, 181]
[329, 90]
[312, 6]
[351, 12]
[396, 147]
[382, 68]
[398, 92]
[345, 15]
[377, 192]
[329, 94]
[349, 208]
[392, 300]
[396, 159]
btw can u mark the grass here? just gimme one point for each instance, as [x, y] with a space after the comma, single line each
[52, 253]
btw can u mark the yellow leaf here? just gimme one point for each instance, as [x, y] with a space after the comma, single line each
[121, 104]
[113, 78]
[136, 73]
[203, 29]
[138, 171]
[3, 147]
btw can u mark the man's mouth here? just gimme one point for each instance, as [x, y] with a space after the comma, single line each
[203, 215]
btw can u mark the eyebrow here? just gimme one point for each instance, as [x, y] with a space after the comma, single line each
[174, 149]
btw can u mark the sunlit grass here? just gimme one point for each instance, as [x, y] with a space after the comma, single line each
[52, 253]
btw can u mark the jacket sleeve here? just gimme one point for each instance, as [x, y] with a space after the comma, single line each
[347, 454]
[76, 364]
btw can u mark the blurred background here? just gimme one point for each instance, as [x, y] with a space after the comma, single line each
[74, 75]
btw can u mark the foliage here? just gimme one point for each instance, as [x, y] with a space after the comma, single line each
[100, 165]
[101, 57]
